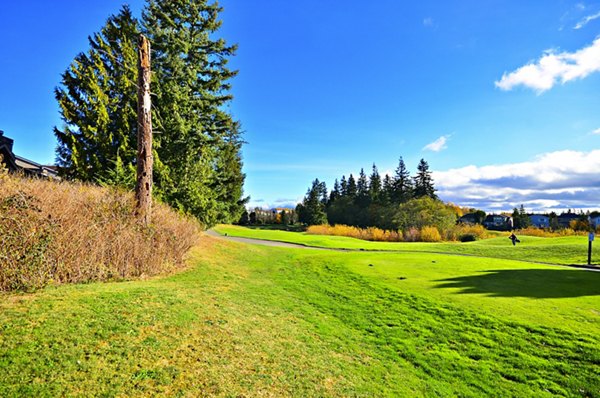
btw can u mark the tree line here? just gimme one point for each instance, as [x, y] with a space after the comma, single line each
[393, 202]
[197, 143]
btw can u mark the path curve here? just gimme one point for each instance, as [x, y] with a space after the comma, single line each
[275, 243]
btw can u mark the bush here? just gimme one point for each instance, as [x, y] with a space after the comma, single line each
[467, 233]
[412, 235]
[371, 233]
[467, 238]
[430, 234]
[59, 232]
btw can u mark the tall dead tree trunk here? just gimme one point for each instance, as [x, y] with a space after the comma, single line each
[143, 189]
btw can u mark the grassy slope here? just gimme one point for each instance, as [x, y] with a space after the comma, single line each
[261, 321]
[563, 250]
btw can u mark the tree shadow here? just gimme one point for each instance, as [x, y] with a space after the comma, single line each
[534, 283]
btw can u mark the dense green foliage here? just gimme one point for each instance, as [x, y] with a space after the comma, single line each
[281, 322]
[386, 203]
[98, 103]
[197, 144]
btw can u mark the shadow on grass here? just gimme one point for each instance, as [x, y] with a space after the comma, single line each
[534, 283]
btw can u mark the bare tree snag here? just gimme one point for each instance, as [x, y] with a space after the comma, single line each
[143, 189]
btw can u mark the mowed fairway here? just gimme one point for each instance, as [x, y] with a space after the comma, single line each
[247, 320]
[562, 250]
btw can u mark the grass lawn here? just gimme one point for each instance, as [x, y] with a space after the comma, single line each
[248, 320]
[563, 250]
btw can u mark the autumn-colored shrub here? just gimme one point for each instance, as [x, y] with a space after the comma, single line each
[412, 235]
[430, 234]
[467, 232]
[62, 232]
[547, 233]
[371, 233]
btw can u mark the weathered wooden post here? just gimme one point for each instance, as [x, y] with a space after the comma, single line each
[143, 189]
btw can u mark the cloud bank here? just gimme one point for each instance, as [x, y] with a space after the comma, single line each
[437, 145]
[553, 181]
[552, 68]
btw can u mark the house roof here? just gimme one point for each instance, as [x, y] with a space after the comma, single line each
[16, 163]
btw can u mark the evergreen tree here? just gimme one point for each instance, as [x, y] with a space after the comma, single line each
[375, 185]
[335, 192]
[520, 218]
[197, 145]
[362, 190]
[192, 88]
[98, 105]
[352, 189]
[423, 181]
[344, 187]
[387, 189]
[312, 209]
[402, 184]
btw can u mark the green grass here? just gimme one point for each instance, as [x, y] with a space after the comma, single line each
[248, 320]
[563, 250]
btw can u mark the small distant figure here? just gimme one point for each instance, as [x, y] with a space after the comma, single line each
[514, 239]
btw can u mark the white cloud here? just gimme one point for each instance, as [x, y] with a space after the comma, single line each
[596, 132]
[289, 203]
[586, 20]
[552, 68]
[437, 145]
[556, 180]
[428, 22]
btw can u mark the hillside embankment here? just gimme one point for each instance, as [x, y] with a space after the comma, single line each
[54, 232]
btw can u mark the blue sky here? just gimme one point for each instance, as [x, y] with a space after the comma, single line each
[501, 98]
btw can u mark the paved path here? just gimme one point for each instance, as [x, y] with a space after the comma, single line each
[274, 243]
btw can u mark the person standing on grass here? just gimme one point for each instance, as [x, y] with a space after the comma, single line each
[514, 239]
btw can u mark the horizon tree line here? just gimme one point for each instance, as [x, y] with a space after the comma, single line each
[366, 200]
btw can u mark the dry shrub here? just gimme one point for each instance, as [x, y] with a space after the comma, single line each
[59, 232]
[467, 233]
[430, 234]
[412, 235]
[371, 233]
[547, 233]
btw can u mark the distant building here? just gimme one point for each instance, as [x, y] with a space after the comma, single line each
[16, 163]
[539, 220]
[498, 222]
[595, 221]
[470, 218]
[564, 220]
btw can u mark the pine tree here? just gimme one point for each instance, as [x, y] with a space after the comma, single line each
[362, 190]
[197, 145]
[375, 185]
[335, 192]
[344, 187]
[352, 189]
[190, 69]
[402, 184]
[424, 182]
[98, 105]
[387, 189]
[312, 209]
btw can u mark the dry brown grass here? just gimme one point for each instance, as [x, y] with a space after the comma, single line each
[460, 232]
[547, 233]
[371, 233]
[62, 232]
